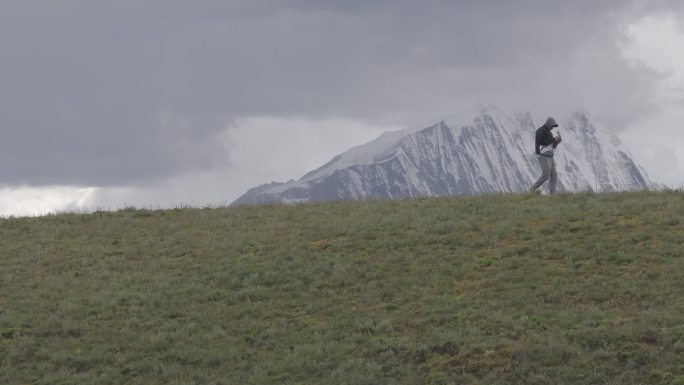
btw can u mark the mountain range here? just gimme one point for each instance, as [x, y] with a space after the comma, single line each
[486, 151]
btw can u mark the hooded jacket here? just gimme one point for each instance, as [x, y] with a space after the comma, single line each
[544, 137]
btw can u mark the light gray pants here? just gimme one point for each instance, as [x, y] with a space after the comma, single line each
[548, 166]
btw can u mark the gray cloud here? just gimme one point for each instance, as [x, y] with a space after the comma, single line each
[110, 93]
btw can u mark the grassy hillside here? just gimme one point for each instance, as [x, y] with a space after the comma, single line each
[501, 289]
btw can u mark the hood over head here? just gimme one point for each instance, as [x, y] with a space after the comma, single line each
[551, 123]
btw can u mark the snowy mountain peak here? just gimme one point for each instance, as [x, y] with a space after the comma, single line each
[480, 151]
[468, 116]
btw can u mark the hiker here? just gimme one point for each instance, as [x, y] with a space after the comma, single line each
[544, 144]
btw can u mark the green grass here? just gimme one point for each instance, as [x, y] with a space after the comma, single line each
[500, 289]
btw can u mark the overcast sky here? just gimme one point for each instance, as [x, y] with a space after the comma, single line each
[156, 103]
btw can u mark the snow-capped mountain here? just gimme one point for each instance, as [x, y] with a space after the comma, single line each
[488, 151]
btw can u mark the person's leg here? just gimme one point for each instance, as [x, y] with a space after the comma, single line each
[546, 172]
[553, 176]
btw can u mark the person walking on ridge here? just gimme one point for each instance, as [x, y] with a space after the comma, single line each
[544, 145]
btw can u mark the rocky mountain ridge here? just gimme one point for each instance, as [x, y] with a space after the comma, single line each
[491, 151]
